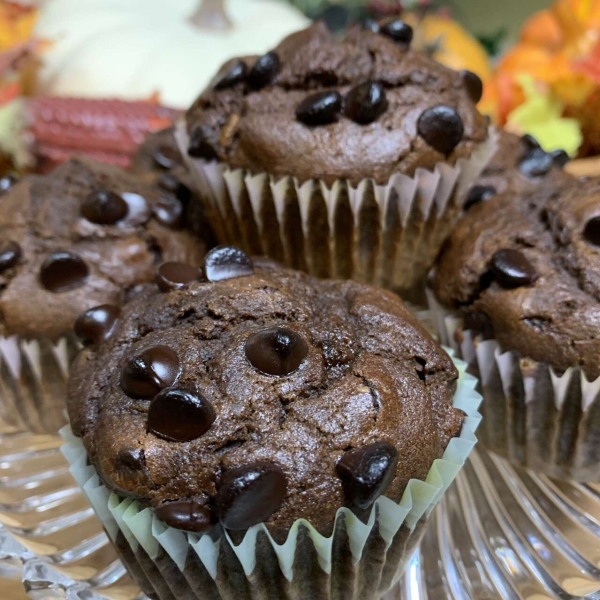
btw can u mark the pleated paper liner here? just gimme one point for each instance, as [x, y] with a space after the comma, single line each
[33, 382]
[359, 560]
[387, 235]
[535, 417]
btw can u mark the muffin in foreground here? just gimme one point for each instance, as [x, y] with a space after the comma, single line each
[85, 235]
[344, 158]
[259, 429]
[523, 273]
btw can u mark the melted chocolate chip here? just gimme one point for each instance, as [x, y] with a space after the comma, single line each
[442, 128]
[367, 472]
[63, 271]
[186, 515]
[132, 458]
[7, 182]
[536, 164]
[104, 207]
[169, 212]
[147, 373]
[560, 158]
[234, 75]
[96, 324]
[319, 109]
[171, 184]
[175, 276]
[227, 262]
[200, 145]
[10, 253]
[479, 193]
[397, 30]
[512, 269]
[264, 71]
[366, 102]
[276, 350]
[166, 157]
[473, 85]
[180, 415]
[530, 142]
[591, 233]
[249, 495]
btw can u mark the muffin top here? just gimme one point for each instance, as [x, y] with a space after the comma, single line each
[321, 108]
[519, 166]
[244, 393]
[526, 269]
[82, 236]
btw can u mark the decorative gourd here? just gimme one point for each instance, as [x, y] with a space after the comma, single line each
[133, 49]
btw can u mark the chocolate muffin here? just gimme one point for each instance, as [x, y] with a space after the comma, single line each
[344, 157]
[524, 272]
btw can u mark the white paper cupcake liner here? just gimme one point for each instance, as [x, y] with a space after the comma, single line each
[359, 560]
[386, 235]
[33, 382]
[535, 417]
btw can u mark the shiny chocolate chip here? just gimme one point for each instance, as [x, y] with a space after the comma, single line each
[264, 71]
[104, 207]
[10, 254]
[591, 232]
[473, 85]
[169, 212]
[249, 495]
[512, 269]
[319, 109]
[536, 164]
[152, 370]
[366, 102]
[367, 472]
[479, 193]
[97, 324]
[132, 458]
[442, 128]
[171, 184]
[180, 415]
[201, 146]
[63, 271]
[166, 157]
[530, 142]
[186, 515]
[235, 74]
[559, 157]
[276, 350]
[7, 182]
[227, 262]
[175, 276]
[397, 30]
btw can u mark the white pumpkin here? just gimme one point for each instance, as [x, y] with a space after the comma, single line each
[132, 49]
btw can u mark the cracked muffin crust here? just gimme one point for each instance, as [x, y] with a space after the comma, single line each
[526, 270]
[321, 108]
[240, 394]
[84, 235]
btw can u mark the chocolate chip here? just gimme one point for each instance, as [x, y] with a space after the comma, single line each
[166, 157]
[132, 458]
[319, 109]
[366, 102]
[560, 158]
[63, 271]
[530, 142]
[96, 324]
[276, 350]
[442, 128]
[536, 164]
[249, 495]
[171, 184]
[479, 193]
[367, 472]
[150, 371]
[180, 415]
[591, 233]
[201, 146]
[176, 276]
[7, 182]
[227, 262]
[264, 71]
[169, 212]
[186, 515]
[512, 269]
[234, 75]
[473, 85]
[398, 30]
[104, 207]
[10, 253]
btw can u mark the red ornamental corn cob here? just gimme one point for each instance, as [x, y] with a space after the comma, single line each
[106, 130]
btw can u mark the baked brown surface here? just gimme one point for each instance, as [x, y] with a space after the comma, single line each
[543, 302]
[361, 374]
[251, 117]
[67, 263]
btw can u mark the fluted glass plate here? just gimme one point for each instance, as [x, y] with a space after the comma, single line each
[499, 533]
